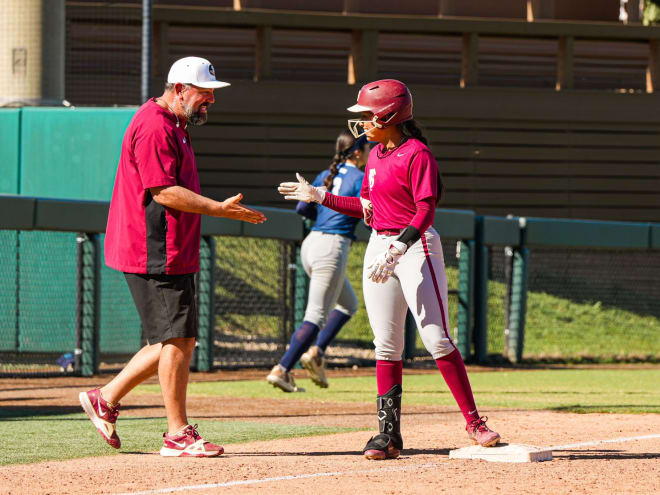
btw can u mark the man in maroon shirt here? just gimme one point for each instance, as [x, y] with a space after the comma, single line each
[153, 236]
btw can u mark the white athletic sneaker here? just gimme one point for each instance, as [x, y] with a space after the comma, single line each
[315, 366]
[282, 379]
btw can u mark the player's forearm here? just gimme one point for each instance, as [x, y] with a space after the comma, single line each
[348, 205]
[180, 198]
[424, 215]
[422, 220]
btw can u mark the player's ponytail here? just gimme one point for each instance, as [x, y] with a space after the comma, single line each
[343, 148]
[410, 129]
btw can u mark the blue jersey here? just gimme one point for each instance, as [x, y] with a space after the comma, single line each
[347, 182]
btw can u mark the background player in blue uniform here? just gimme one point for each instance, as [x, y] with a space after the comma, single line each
[324, 253]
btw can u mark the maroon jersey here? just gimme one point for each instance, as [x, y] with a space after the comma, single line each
[395, 180]
[143, 236]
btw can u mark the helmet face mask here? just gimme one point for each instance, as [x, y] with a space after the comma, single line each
[354, 126]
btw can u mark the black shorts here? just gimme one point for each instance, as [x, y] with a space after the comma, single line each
[166, 305]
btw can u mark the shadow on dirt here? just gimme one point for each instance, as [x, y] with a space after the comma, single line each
[615, 455]
[8, 413]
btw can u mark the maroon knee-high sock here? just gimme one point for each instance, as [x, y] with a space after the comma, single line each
[388, 374]
[453, 371]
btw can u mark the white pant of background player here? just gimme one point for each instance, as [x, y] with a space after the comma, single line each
[325, 258]
[419, 282]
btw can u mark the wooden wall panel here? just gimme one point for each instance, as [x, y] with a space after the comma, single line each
[231, 50]
[104, 47]
[502, 149]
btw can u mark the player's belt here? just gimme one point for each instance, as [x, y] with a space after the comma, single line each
[389, 232]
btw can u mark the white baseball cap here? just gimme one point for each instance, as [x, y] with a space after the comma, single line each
[196, 71]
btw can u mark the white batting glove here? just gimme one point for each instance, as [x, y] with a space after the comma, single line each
[367, 210]
[301, 191]
[381, 268]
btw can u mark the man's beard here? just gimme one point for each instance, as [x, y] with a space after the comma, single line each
[195, 118]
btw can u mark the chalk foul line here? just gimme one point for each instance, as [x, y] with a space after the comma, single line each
[207, 486]
[600, 442]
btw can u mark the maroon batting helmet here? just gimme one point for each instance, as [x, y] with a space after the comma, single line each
[388, 99]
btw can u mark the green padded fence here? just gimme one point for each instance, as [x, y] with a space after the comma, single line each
[71, 154]
[10, 131]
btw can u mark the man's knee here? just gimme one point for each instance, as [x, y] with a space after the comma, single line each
[185, 344]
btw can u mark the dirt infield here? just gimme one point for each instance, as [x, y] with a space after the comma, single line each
[333, 464]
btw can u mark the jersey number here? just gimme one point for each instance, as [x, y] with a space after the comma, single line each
[372, 177]
[336, 185]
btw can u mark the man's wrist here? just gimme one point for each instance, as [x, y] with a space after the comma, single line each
[219, 208]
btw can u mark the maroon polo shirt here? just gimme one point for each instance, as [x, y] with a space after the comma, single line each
[143, 236]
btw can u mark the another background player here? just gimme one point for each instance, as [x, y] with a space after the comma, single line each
[324, 256]
[404, 264]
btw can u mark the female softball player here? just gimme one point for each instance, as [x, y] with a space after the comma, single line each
[404, 264]
[324, 257]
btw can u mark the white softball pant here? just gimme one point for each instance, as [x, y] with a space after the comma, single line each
[419, 282]
[324, 258]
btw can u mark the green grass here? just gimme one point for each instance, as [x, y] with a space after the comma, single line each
[27, 439]
[570, 390]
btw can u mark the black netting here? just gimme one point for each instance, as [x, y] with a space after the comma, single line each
[120, 331]
[38, 301]
[38, 306]
[253, 300]
[593, 304]
[497, 299]
[450, 251]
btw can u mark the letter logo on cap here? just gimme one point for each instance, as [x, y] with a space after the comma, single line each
[211, 70]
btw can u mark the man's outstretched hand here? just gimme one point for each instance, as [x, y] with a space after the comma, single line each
[234, 209]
